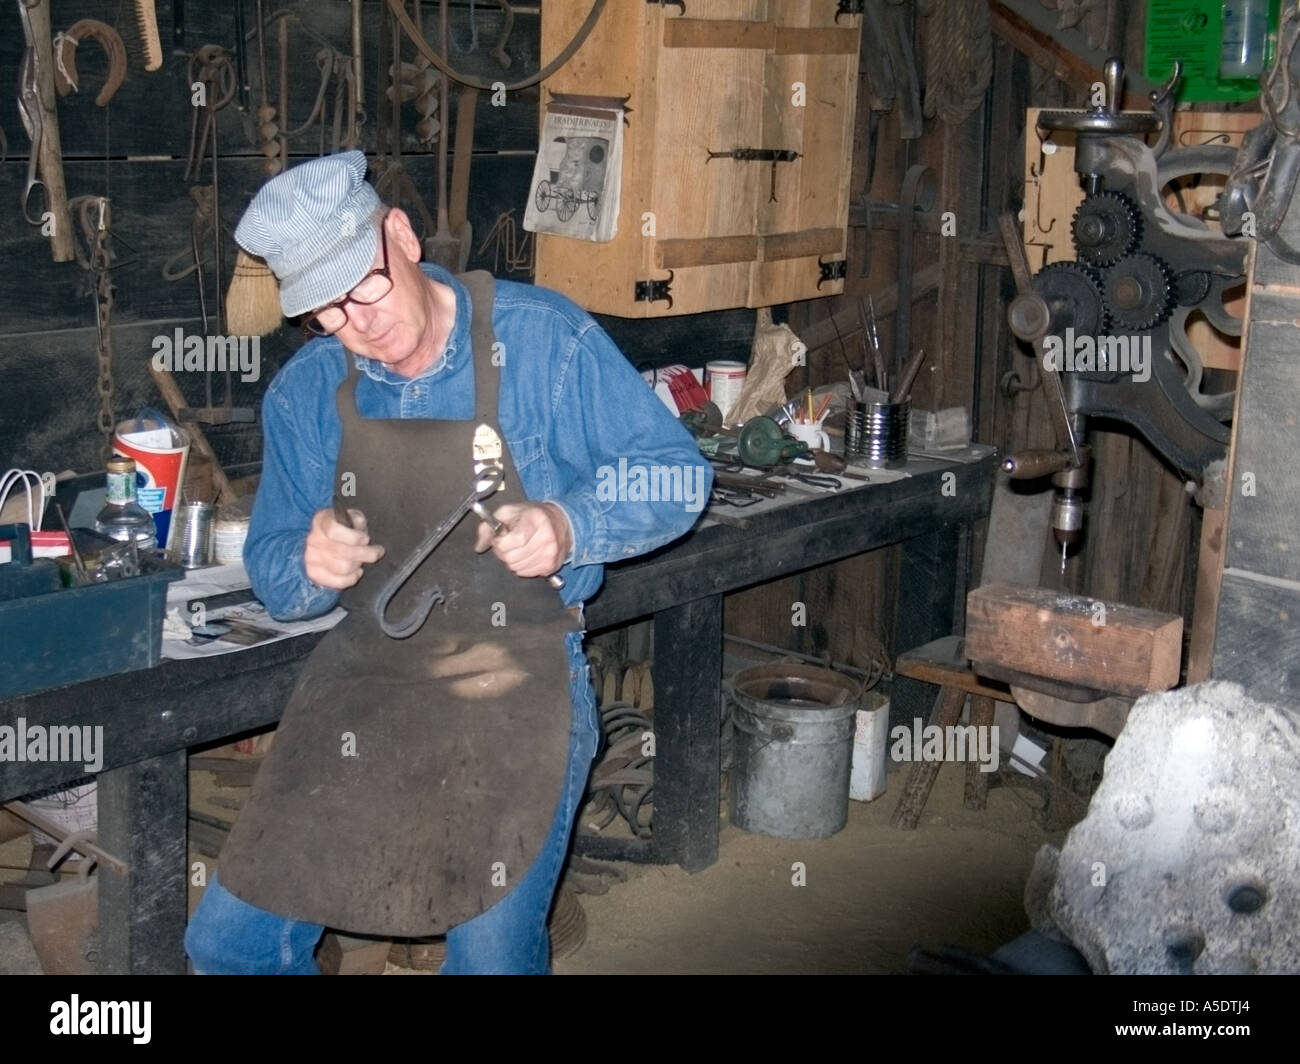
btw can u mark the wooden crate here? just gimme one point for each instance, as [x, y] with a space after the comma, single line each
[723, 78]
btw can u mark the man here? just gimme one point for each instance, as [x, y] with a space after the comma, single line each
[428, 783]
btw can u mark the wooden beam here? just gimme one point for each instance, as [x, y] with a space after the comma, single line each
[175, 400]
[1041, 47]
[885, 301]
[1106, 646]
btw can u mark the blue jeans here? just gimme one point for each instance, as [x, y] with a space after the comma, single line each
[227, 936]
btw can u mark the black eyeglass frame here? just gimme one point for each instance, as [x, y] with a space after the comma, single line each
[311, 323]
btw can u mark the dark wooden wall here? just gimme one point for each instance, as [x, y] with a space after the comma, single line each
[1141, 527]
[134, 152]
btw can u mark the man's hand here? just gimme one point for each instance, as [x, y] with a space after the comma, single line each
[335, 553]
[537, 541]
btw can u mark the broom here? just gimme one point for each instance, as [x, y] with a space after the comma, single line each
[253, 301]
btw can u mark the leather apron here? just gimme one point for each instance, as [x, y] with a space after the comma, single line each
[412, 782]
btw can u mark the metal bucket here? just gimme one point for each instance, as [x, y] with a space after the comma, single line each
[793, 750]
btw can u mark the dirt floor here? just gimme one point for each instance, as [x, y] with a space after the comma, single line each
[869, 894]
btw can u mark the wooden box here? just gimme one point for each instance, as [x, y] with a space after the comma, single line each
[766, 74]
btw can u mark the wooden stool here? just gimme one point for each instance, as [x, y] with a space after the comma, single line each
[943, 662]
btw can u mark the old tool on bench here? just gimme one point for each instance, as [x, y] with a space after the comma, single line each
[760, 442]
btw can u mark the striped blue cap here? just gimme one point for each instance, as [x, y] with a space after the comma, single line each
[316, 228]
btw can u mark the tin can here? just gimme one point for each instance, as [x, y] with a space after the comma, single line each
[192, 543]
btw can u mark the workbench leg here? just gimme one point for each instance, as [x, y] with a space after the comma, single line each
[687, 679]
[142, 817]
[927, 608]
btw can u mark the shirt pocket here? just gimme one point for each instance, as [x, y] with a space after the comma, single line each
[530, 462]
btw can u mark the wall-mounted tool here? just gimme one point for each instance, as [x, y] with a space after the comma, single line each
[65, 58]
[146, 18]
[36, 96]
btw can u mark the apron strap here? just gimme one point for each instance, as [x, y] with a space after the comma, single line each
[487, 385]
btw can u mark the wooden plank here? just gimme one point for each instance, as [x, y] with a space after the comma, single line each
[1257, 643]
[1209, 575]
[1046, 633]
[677, 254]
[805, 244]
[614, 61]
[920, 781]
[1062, 63]
[885, 301]
[718, 33]
[943, 663]
[982, 710]
[1262, 532]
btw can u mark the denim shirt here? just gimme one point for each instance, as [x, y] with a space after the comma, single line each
[583, 430]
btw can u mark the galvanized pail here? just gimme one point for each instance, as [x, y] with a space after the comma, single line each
[794, 749]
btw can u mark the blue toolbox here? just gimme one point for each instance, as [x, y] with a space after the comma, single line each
[51, 635]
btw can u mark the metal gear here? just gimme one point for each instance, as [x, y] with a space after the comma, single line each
[1106, 227]
[1191, 287]
[1074, 297]
[1138, 292]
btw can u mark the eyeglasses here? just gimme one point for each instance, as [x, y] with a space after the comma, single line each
[369, 290]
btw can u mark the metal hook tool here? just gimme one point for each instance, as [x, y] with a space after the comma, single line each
[484, 485]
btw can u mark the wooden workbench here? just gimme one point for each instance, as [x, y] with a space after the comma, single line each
[152, 717]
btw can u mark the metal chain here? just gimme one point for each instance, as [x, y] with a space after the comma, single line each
[94, 220]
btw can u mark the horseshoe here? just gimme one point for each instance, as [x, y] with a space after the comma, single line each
[65, 58]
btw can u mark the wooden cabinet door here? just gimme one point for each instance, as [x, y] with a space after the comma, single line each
[736, 74]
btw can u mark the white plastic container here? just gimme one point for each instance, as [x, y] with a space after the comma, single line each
[1245, 38]
[870, 748]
